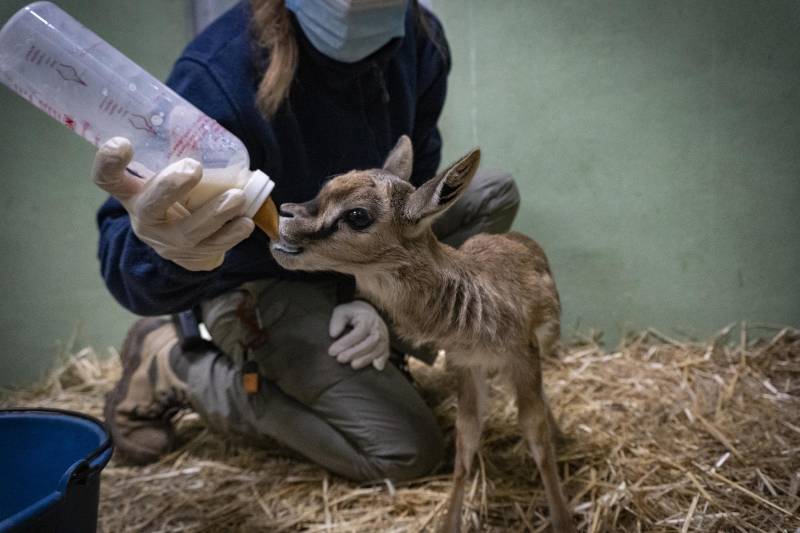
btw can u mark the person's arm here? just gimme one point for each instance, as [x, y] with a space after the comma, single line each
[138, 277]
[146, 283]
[434, 66]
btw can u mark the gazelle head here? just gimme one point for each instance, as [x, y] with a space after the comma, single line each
[367, 218]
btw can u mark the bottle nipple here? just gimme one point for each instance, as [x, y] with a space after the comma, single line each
[266, 218]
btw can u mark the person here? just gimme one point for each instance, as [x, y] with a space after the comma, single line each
[313, 89]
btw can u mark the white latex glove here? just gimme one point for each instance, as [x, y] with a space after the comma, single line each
[195, 241]
[367, 342]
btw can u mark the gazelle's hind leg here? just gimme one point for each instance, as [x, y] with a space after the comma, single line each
[547, 336]
[536, 429]
[472, 389]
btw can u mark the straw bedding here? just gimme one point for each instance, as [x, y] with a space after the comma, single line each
[663, 435]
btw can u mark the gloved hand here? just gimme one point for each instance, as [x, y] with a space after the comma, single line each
[195, 241]
[367, 342]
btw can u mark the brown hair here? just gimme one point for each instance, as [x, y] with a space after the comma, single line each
[273, 30]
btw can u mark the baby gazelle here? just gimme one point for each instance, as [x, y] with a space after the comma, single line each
[492, 303]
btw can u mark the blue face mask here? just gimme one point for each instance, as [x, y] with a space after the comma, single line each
[349, 30]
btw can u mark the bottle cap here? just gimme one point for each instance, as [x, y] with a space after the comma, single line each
[258, 188]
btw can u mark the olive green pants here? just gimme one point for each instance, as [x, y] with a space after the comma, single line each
[361, 424]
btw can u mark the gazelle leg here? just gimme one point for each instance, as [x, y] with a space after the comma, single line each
[535, 424]
[472, 387]
[547, 336]
[556, 435]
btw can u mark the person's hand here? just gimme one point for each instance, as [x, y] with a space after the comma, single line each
[367, 342]
[195, 241]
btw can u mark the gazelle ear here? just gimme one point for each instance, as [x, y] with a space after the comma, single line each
[437, 194]
[400, 160]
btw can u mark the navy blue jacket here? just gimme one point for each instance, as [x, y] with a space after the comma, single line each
[338, 117]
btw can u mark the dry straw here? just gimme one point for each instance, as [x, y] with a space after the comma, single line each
[663, 435]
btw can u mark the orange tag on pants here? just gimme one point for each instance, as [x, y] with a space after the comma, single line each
[250, 377]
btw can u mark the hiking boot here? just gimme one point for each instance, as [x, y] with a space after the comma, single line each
[140, 408]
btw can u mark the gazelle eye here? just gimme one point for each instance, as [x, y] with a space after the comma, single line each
[358, 218]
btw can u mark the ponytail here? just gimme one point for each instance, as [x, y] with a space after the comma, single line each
[273, 31]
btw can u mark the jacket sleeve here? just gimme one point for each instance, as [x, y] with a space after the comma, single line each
[433, 56]
[140, 279]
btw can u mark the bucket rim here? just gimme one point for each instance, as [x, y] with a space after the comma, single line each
[87, 466]
[79, 472]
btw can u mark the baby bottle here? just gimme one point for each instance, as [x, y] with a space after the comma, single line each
[67, 71]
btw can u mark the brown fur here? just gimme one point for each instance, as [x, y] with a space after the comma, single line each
[492, 303]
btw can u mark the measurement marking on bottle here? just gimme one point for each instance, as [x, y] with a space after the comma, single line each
[69, 73]
[110, 106]
[190, 139]
[142, 123]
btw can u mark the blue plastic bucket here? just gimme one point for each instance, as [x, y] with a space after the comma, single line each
[50, 463]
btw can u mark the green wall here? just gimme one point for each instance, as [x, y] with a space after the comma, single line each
[49, 274]
[657, 146]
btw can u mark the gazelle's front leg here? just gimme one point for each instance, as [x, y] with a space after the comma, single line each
[535, 421]
[472, 389]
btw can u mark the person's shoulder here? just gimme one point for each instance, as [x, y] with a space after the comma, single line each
[430, 20]
[219, 63]
[215, 70]
[224, 40]
[431, 39]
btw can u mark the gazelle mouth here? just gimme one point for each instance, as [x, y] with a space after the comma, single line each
[287, 248]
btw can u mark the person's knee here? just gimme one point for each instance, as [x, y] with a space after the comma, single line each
[430, 452]
[501, 191]
[423, 446]
[491, 203]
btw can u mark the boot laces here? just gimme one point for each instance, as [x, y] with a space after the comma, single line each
[166, 404]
